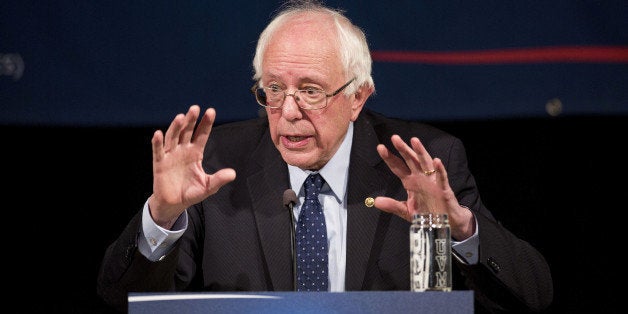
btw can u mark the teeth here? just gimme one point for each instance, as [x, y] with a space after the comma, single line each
[295, 138]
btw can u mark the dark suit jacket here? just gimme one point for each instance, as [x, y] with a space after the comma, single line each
[239, 238]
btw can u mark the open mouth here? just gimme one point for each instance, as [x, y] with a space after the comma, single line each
[295, 138]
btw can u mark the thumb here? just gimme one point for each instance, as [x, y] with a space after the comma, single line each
[219, 179]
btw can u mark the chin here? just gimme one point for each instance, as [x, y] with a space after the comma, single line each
[299, 161]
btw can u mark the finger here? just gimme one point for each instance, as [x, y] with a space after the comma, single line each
[220, 178]
[205, 126]
[158, 146]
[171, 138]
[396, 165]
[393, 206]
[190, 121]
[443, 180]
[410, 156]
[425, 160]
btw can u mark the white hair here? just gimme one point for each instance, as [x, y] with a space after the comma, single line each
[353, 47]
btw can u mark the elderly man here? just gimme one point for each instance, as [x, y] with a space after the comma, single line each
[216, 222]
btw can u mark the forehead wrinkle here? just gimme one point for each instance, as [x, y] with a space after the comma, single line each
[315, 59]
[302, 66]
[294, 65]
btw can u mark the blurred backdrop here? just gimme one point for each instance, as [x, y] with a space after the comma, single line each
[129, 63]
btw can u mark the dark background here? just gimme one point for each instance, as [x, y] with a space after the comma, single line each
[99, 78]
[138, 63]
[557, 183]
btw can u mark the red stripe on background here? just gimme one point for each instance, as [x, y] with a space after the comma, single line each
[577, 54]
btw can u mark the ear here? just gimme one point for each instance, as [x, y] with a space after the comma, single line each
[359, 99]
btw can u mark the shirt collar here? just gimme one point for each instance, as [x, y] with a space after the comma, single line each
[335, 172]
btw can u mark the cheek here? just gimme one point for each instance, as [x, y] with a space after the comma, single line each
[341, 116]
[273, 120]
[332, 126]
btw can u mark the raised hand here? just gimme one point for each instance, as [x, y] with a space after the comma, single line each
[179, 179]
[425, 180]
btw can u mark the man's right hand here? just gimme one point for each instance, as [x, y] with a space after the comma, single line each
[179, 180]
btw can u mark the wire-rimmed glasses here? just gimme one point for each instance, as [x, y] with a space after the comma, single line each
[309, 98]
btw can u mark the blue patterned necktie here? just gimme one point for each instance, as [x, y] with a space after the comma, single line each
[311, 238]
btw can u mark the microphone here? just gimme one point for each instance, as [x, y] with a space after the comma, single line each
[289, 199]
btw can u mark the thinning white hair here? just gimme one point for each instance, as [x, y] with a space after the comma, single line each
[353, 48]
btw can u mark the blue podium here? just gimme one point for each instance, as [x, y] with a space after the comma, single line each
[303, 302]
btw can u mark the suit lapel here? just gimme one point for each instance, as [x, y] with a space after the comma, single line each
[368, 177]
[270, 173]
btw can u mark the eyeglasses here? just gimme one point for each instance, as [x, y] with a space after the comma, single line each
[308, 99]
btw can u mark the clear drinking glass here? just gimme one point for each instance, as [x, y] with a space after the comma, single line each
[430, 253]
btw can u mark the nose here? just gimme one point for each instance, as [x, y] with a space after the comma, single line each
[290, 109]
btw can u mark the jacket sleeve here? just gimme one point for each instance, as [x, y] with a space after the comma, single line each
[511, 275]
[124, 269]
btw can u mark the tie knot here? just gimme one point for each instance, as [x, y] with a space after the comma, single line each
[313, 185]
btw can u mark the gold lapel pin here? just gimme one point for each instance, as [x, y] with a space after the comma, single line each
[369, 202]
